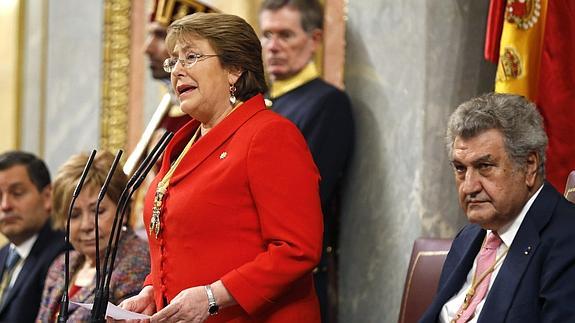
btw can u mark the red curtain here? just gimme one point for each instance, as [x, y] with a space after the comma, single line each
[556, 90]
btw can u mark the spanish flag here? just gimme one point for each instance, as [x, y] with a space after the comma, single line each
[536, 60]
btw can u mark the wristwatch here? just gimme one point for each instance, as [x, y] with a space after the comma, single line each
[212, 305]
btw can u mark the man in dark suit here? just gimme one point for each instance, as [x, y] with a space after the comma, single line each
[25, 204]
[515, 262]
[291, 33]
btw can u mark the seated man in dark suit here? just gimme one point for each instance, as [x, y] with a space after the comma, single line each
[515, 262]
[25, 204]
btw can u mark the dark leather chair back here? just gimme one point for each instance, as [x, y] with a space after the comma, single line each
[570, 187]
[422, 278]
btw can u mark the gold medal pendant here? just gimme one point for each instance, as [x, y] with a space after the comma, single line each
[155, 225]
[162, 188]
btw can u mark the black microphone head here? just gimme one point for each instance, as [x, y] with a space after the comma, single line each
[84, 173]
[162, 144]
[110, 174]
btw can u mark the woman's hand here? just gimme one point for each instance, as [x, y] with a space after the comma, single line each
[142, 303]
[190, 305]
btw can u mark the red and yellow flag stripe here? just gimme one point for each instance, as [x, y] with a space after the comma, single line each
[520, 47]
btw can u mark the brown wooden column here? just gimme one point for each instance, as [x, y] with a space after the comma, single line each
[334, 42]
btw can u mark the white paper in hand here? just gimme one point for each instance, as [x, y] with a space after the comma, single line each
[116, 312]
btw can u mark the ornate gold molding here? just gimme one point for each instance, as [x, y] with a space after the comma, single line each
[116, 74]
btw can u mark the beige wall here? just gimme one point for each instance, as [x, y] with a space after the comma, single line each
[9, 73]
[409, 63]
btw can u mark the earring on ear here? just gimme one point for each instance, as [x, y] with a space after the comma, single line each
[233, 94]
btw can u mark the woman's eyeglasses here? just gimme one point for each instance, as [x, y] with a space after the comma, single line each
[188, 62]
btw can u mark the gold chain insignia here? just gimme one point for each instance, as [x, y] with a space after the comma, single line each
[523, 13]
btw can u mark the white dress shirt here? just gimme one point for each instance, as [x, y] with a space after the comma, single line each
[507, 234]
[23, 250]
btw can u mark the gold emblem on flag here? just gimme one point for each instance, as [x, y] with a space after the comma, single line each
[523, 13]
[510, 65]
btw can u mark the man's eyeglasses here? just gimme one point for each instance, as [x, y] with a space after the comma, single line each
[188, 62]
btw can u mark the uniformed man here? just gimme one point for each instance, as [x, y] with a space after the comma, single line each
[291, 32]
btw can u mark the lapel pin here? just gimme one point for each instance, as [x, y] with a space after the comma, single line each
[224, 155]
[528, 250]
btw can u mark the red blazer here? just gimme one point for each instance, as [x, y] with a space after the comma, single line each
[243, 206]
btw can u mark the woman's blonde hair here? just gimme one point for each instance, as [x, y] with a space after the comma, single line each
[69, 174]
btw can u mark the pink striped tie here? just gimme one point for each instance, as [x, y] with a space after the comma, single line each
[485, 261]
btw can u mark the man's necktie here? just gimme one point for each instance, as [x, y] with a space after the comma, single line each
[486, 262]
[11, 261]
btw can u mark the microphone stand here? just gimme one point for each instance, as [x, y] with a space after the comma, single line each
[100, 198]
[102, 297]
[65, 301]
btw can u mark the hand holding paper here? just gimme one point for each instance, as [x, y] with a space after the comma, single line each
[116, 312]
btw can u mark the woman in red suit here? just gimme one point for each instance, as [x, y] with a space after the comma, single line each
[234, 214]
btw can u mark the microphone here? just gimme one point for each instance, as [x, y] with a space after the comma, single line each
[102, 297]
[100, 198]
[65, 302]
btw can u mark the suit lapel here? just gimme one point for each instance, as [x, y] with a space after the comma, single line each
[522, 249]
[85, 293]
[76, 260]
[457, 271]
[215, 138]
[9, 296]
[56, 293]
[82, 296]
[29, 265]
[3, 256]
[501, 292]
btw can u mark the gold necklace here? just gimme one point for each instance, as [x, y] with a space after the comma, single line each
[471, 291]
[162, 188]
